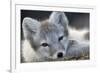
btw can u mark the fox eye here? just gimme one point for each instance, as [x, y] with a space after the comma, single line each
[60, 38]
[45, 44]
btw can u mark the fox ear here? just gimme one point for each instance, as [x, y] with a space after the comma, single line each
[59, 18]
[30, 26]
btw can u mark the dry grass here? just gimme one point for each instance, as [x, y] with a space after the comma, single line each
[82, 57]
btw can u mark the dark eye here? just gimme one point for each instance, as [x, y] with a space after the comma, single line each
[60, 38]
[45, 44]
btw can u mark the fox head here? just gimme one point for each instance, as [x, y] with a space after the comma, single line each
[48, 38]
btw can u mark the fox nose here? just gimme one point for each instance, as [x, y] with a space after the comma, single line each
[60, 55]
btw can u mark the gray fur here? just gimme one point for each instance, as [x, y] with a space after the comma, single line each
[49, 32]
[77, 49]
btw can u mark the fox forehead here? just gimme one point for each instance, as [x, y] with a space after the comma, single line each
[49, 27]
[45, 24]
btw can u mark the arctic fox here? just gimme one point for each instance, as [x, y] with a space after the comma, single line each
[51, 39]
